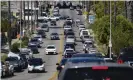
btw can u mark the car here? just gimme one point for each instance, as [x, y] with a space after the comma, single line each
[53, 23]
[54, 36]
[39, 37]
[45, 27]
[69, 54]
[24, 59]
[69, 19]
[68, 50]
[67, 27]
[33, 48]
[34, 41]
[71, 8]
[16, 62]
[42, 33]
[50, 49]
[88, 43]
[125, 56]
[69, 45]
[41, 20]
[36, 64]
[81, 27]
[57, 16]
[54, 18]
[83, 33]
[67, 23]
[77, 21]
[96, 71]
[64, 17]
[80, 24]
[85, 38]
[27, 52]
[79, 12]
[69, 33]
[91, 50]
[70, 39]
[67, 30]
[6, 69]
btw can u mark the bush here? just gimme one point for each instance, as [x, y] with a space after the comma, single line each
[15, 47]
[25, 41]
[3, 57]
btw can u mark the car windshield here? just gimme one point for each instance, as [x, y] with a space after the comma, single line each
[114, 73]
[35, 62]
[86, 37]
[85, 33]
[50, 47]
[32, 46]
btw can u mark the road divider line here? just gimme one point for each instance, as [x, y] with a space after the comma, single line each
[59, 56]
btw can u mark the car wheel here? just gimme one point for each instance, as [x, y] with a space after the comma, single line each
[13, 73]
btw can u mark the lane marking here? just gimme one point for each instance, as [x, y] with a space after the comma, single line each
[59, 56]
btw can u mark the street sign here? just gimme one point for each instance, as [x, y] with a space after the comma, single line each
[91, 19]
[110, 43]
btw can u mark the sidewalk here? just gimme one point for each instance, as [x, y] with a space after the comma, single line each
[7, 46]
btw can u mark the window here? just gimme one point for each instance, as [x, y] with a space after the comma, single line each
[89, 74]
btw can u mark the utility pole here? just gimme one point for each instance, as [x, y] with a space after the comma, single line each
[24, 25]
[31, 18]
[9, 29]
[20, 24]
[114, 13]
[110, 39]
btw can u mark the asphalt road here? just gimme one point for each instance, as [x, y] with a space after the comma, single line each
[51, 60]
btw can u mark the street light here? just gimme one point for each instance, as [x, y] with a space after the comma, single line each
[110, 38]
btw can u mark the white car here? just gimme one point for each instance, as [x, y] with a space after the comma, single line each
[89, 42]
[81, 27]
[92, 50]
[67, 27]
[36, 64]
[70, 39]
[68, 50]
[50, 49]
[69, 19]
[54, 18]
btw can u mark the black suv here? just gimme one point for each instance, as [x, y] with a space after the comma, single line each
[96, 71]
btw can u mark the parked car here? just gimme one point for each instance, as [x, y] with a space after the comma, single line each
[6, 69]
[36, 64]
[50, 49]
[16, 62]
[54, 36]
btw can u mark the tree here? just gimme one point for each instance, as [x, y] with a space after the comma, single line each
[121, 34]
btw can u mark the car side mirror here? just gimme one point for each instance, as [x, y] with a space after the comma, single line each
[57, 63]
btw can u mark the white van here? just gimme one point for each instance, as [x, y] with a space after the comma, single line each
[84, 32]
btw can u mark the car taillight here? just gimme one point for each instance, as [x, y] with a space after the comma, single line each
[99, 67]
[119, 61]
